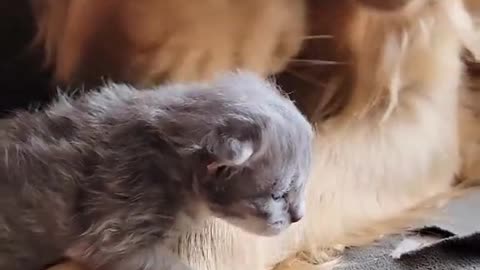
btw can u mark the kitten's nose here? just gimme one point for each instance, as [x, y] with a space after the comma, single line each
[295, 216]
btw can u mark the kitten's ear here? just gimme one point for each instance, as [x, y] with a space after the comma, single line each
[229, 152]
[232, 145]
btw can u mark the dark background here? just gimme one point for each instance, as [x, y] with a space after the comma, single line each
[23, 81]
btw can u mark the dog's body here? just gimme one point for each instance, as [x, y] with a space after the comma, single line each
[166, 40]
[470, 114]
[110, 178]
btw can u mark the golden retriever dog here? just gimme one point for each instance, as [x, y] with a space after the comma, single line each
[382, 80]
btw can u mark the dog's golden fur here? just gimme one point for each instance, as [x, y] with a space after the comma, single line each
[148, 41]
[470, 117]
[470, 131]
[388, 155]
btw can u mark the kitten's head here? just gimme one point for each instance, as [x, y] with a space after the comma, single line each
[258, 165]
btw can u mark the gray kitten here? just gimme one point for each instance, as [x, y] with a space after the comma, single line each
[108, 178]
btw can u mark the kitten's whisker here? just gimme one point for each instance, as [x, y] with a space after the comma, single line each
[318, 37]
[317, 62]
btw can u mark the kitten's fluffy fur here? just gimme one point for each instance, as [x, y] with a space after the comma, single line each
[110, 178]
[393, 147]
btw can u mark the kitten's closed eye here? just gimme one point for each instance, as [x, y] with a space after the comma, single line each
[278, 196]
